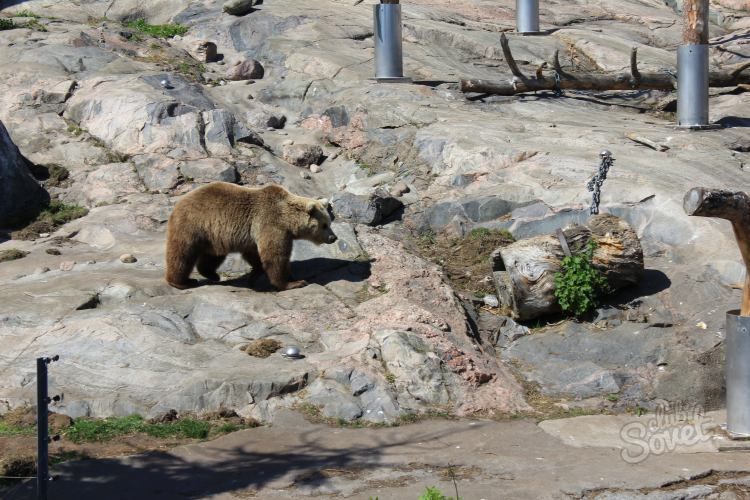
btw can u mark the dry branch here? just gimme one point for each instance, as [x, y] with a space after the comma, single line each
[520, 83]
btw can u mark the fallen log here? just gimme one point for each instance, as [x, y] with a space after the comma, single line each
[559, 80]
[524, 271]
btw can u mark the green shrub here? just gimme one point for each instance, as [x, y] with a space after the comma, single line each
[579, 284]
[157, 30]
[433, 493]
[6, 24]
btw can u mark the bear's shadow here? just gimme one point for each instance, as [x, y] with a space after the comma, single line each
[319, 271]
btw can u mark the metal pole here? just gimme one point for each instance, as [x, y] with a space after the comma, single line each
[692, 86]
[527, 16]
[737, 373]
[389, 59]
[42, 399]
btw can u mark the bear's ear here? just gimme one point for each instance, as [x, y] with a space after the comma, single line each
[324, 201]
[312, 205]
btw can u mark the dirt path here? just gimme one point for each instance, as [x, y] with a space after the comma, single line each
[487, 459]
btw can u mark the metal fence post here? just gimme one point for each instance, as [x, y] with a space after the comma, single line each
[42, 400]
[42, 425]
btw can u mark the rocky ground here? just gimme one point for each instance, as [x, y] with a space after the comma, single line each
[123, 122]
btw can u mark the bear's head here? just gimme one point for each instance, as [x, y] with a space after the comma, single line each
[318, 229]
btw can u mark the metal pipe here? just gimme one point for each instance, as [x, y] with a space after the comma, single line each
[692, 86]
[42, 437]
[389, 61]
[527, 16]
[737, 371]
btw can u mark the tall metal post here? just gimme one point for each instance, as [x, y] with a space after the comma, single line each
[42, 400]
[389, 59]
[527, 16]
[737, 371]
[692, 66]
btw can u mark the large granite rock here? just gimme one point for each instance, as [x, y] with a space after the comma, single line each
[21, 196]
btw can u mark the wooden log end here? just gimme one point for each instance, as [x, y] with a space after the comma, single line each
[704, 202]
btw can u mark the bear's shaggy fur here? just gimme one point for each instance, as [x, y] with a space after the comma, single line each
[260, 223]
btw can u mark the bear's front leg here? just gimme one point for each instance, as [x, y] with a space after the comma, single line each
[275, 255]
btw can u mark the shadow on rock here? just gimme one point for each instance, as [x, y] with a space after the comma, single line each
[320, 270]
[4, 4]
[218, 468]
[734, 122]
[652, 282]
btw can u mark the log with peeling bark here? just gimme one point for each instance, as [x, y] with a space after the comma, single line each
[524, 271]
[695, 25]
[546, 80]
[733, 206]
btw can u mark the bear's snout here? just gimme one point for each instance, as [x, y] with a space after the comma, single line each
[332, 238]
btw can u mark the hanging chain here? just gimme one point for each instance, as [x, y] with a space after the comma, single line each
[595, 184]
[557, 90]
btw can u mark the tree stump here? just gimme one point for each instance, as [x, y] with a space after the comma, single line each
[524, 271]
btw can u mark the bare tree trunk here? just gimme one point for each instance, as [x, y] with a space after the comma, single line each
[695, 22]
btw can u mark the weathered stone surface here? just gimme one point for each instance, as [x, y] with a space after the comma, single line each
[364, 209]
[208, 169]
[238, 7]
[303, 155]
[158, 173]
[109, 184]
[518, 164]
[204, 51]
[247, 69]
[417, 372]
[21, 196]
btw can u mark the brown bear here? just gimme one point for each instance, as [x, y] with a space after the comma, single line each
[260, 223]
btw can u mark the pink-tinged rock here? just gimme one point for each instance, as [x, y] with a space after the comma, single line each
[249, 69]
[67, 265]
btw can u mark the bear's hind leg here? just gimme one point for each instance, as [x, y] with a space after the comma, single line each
[208, 264]
[181, 259]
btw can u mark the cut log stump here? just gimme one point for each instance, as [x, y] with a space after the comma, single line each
[524, 271]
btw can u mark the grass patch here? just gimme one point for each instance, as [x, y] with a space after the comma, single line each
[6, 24]
[60, 213]
[97, 430]
[466, 261]
[27, 13]
[9, 430]
[12, 254]
[157, 30]
[54, 215]
[74, 130]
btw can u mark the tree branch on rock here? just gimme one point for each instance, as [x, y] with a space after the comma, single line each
[633, 80]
